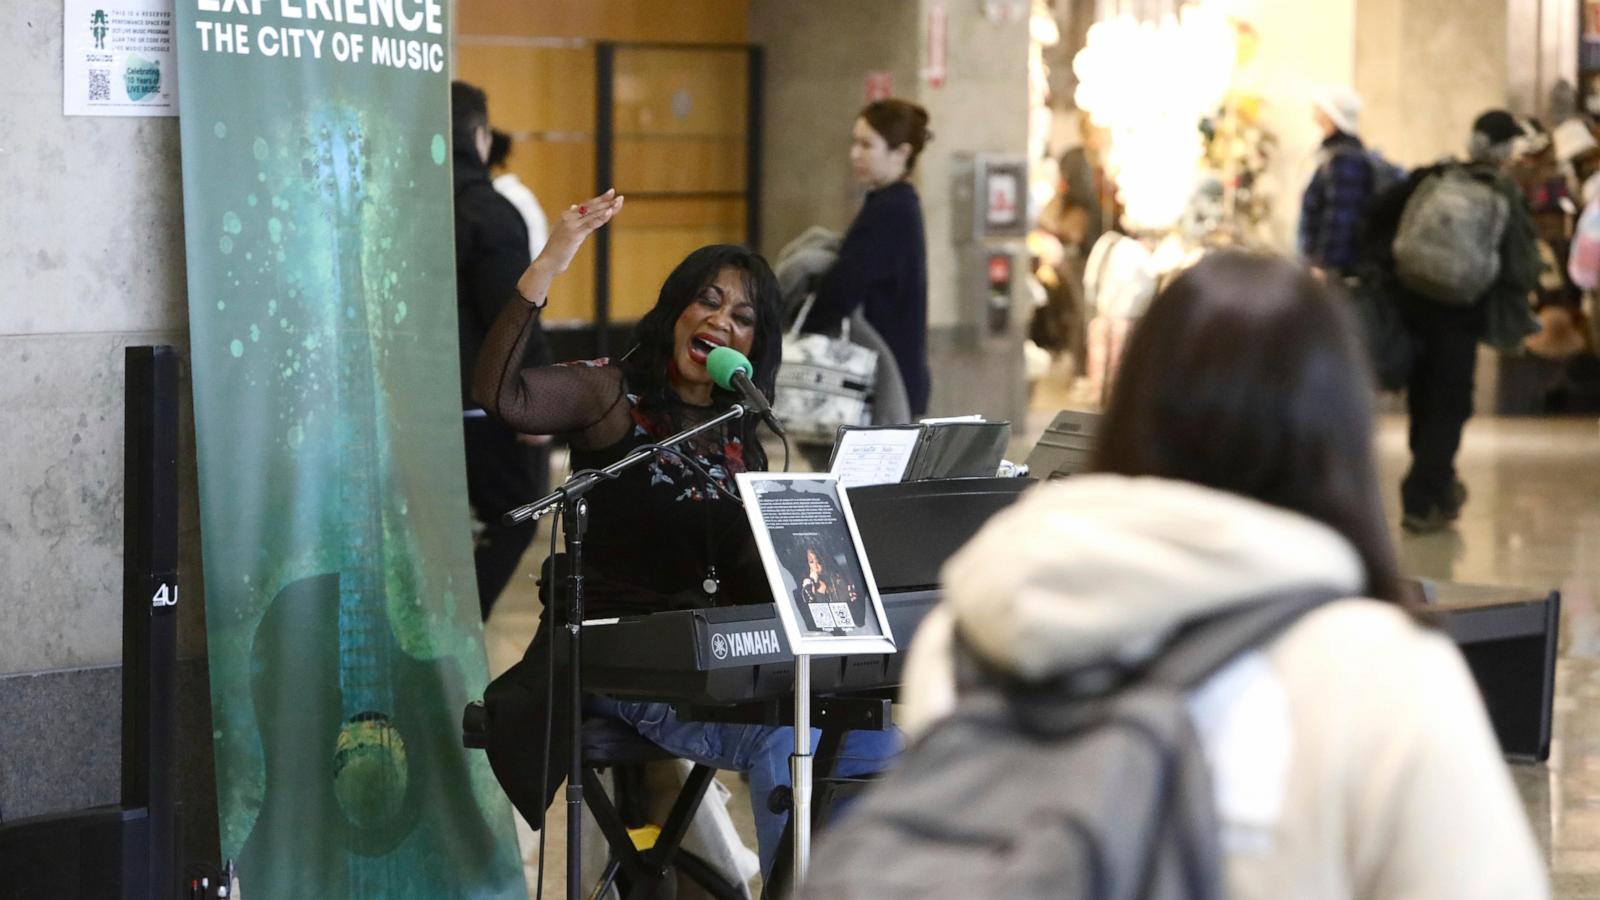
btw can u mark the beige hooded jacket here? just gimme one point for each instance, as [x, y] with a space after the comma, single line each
[1351, 757]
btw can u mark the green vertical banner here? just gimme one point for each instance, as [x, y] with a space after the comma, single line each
[341, 604]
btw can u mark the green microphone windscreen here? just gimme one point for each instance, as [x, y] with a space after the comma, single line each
[723, 362]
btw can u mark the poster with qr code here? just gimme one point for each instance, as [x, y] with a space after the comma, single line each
[119, 58]
[811, 549]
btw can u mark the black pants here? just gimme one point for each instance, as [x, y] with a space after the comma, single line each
[502, 474]
[516, 707]
[1439, 399]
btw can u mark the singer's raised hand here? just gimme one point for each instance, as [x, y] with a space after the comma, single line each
[567, 234]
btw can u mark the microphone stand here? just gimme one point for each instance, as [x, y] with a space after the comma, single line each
[571, 496]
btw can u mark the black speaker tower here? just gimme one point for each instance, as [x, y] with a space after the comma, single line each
[150, 602]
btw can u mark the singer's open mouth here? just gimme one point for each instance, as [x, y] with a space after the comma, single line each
[700, 347]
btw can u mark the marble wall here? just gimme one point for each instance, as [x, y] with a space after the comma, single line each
[93, 228]
[93, 255]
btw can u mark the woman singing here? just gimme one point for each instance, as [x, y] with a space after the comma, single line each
[659, 536]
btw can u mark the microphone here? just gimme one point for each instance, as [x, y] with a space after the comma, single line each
[731, 370]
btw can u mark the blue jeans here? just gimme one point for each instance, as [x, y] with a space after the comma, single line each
[760, 751]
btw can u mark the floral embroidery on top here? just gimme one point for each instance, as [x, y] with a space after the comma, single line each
[721, 463]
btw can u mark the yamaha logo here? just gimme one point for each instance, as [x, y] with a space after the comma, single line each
[746, 643]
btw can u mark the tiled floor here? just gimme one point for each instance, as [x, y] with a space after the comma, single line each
[1533, 520]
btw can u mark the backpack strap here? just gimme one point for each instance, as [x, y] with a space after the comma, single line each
[1205, 646]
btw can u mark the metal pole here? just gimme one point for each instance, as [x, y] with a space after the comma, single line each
[800, 769]
[577, 523]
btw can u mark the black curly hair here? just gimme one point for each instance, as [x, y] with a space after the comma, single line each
[645, 366]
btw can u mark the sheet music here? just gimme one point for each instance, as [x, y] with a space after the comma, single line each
[873, 455]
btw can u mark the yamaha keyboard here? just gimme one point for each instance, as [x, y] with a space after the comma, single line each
[739, 654]
[731, 654]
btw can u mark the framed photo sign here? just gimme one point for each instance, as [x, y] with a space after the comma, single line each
[821, 581]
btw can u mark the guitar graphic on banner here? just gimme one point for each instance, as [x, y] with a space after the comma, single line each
[367, 792]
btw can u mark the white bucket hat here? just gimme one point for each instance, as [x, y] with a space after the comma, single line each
[1341, 105]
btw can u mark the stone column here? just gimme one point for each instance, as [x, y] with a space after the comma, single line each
[981, 108]
[1426, 69]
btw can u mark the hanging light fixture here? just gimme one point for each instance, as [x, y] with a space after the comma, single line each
[1149, 82]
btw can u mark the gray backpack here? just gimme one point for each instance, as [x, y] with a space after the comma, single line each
[1447, 247]
[1047, 791]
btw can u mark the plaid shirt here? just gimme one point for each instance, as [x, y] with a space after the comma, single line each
[1334, 203]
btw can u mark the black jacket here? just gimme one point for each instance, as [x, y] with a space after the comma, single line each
[491, 254]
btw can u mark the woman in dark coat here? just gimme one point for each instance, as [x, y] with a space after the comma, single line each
[883, 262]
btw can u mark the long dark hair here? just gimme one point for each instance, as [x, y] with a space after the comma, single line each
[1246, 376]
[646, 364]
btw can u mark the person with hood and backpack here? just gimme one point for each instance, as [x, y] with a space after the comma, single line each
[1453, 247]
[1192, 673]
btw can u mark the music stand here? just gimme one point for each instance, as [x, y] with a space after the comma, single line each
[825, 595]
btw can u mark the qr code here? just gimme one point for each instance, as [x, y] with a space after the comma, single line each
[822, 616]
[99, 84]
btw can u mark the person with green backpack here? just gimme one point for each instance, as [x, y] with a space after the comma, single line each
[1453, 248]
